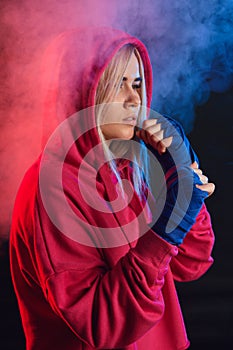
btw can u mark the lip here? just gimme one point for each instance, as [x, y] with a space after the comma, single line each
[130, 120]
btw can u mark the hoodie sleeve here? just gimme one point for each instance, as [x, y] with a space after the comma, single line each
[124, 300]
[194, 257]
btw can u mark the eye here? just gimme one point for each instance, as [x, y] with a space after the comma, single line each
[137, 86]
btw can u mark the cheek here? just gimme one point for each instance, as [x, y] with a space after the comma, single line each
[119, 98]
[114, 113]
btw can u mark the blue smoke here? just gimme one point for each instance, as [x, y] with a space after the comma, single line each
[191, 49]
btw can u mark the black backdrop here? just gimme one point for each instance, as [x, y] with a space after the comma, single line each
[207, 303]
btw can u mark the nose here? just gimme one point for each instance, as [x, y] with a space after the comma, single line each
[132, 98]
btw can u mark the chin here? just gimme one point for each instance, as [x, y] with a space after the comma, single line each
[127, 133]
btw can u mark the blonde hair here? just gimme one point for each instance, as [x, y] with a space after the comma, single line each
[107, 89]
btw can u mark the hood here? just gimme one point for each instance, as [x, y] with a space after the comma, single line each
[72, 67]
[72, 171]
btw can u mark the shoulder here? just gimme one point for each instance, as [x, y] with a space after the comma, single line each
[29, 182]
[23, 210]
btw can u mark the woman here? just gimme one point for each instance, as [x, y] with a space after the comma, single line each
[101, 273]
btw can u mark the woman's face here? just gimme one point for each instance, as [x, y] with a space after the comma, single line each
[122, 114]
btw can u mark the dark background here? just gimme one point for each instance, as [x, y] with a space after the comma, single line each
[207, 303]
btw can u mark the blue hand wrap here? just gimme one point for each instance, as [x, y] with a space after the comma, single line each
[178, 212]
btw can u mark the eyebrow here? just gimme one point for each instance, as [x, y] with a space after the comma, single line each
[135, 80]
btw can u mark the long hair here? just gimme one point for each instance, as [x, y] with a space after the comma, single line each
[107, 89]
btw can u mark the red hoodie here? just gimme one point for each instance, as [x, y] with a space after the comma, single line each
[73, 295]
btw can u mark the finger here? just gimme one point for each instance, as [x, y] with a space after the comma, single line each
[153, 129]
[209, 188]
[194, 165]
[197, 171]
[164, 144]
[149, 122]
[152, 134]
[156, 138]
[204, 179]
